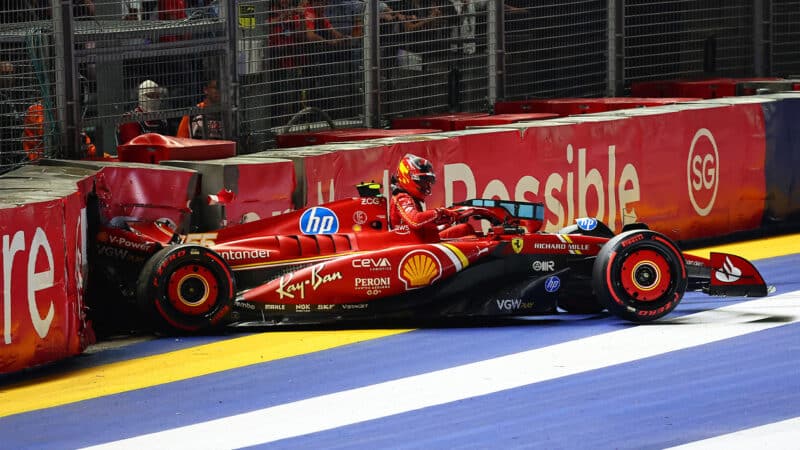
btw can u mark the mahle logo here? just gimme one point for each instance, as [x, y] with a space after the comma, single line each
[702, 171]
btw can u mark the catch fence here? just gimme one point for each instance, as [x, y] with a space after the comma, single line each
[72, 73]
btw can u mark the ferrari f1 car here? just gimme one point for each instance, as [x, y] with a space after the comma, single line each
[343, 260]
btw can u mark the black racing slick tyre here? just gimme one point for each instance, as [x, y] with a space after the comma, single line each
[639, 275]
[191, 288]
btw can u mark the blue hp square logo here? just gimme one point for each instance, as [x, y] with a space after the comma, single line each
[319, 220]
[552, 284]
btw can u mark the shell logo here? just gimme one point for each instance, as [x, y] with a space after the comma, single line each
[419, 268]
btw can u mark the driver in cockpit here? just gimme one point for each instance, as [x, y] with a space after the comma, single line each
[410, 185]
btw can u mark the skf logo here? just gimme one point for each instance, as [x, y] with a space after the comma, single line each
[516, 244]
[702, 171]
[319, 220]
[419, 268]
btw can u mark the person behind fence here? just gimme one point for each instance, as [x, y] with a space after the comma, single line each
[285, 33]
[411, 185]
[33, 131]
[208, 124]
[346, 16]
[10, 122]
[324, 45]
[149, 96]
[422, 59]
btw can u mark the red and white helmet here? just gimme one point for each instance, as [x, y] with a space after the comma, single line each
[415, 176]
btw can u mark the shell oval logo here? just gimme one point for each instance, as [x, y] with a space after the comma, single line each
[419, 268]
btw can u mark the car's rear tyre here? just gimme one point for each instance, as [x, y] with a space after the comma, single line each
[189, 287]
[639, 275]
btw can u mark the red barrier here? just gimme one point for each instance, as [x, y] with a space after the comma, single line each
[709, 88]
[343, 135]
[690, 174]
[244, 177]
[574, 106]
[443, 122]
[332, 176]
[145, 192]
[42, 313]
[152, 148]
[461, 123]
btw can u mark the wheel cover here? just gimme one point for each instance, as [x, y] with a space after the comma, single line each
[192, 290]
[646, 275]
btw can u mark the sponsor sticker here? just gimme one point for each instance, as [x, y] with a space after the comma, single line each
[513, 304]
[552, 284]
[729, 272]
[360, 217]
[587, 223]
[543, 266]
[319, 220]
[375, 264]
[517, 244]
[290, 288]
[419, 268]
[702, 172]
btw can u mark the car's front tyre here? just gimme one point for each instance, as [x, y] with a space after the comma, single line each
[639, 275]
[189, 287]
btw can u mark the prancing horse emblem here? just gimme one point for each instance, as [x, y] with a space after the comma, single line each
[516, 244]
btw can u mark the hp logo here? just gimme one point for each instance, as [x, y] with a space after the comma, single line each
[552, 284]
[587, 223]
[319, 220]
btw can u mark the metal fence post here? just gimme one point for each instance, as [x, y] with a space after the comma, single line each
[616, 48]
[230, 95]
[372, 66]
[67, 88]
[495, 46]
[760, 39]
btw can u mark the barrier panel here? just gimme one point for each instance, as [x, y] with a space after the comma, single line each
[573, 106]
[152, 148]
[44, 267]
[145, 192]
[462, 123]
[782, 171]
[343, 135]
[253, 197]
[443, 122]
[712, 87]
[688, 173]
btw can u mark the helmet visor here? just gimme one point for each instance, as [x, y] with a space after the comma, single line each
[425, 182]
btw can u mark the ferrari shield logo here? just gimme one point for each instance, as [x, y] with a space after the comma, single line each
[516, 244]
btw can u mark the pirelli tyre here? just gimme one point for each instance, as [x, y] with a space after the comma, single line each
[639, 275]
[189, 287]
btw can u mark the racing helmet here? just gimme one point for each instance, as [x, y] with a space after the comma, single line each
[415, 176]
[149, 96]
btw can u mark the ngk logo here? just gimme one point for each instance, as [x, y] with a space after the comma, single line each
[702, 171]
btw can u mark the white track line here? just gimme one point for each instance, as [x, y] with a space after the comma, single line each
[785, 435]
[471, 380]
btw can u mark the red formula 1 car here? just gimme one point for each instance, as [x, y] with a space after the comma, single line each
[342, 261]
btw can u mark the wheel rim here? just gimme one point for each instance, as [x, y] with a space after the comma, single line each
[192, 290]
[645, 275]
